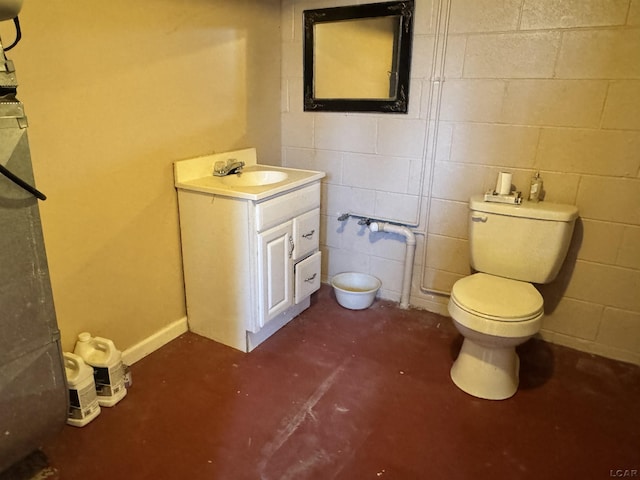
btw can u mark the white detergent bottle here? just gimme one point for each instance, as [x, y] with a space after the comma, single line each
[83, 399]
[108, 371]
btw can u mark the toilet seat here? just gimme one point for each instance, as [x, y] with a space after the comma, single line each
[496, 305]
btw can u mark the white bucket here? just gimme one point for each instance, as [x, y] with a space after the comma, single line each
[355, 291]
[106, 361]
[83, 399]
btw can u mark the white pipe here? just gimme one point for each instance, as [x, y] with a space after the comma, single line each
[410, 241]
[441, 50]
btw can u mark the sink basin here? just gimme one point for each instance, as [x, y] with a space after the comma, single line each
[254, 179]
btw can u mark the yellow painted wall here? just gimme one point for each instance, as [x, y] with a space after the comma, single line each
[115, 92]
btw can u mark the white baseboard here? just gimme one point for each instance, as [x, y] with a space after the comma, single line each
[155, 341]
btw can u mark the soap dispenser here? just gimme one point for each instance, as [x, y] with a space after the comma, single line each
[536, 188]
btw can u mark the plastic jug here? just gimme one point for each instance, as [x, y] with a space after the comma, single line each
[83, 399]
[108, 371]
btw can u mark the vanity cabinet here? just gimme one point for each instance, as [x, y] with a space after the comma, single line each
[250, 266]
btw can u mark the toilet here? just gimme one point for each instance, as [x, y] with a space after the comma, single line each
[497, 308]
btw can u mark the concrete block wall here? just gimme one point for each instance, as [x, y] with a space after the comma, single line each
[545, 85]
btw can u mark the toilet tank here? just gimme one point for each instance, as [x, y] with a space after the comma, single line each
[525, 242]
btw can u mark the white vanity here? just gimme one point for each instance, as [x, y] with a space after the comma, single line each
[249, 245]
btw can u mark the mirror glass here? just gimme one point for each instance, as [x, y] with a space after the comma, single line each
[354, 58]
[357, 58]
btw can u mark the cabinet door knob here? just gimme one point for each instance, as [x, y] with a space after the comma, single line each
[311, 278]
[291, 246]
[309, 235]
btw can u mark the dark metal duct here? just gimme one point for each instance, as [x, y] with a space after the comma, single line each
[33, 391]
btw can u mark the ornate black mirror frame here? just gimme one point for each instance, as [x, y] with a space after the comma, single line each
[398, 101]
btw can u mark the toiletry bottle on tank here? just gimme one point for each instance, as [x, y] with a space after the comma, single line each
[106, 361]
[536, 188]
[83, 399]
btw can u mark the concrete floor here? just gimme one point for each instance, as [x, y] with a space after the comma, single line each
[340, 394]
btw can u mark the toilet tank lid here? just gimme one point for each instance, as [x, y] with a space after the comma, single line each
[558, 212]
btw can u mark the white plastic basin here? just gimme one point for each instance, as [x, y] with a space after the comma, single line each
[355, 291]
[254, 179]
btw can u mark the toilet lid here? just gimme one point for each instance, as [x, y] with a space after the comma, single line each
[497, 297]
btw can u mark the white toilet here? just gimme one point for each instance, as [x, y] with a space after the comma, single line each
[497, 308]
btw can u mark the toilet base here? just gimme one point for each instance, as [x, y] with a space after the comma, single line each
[486, 372]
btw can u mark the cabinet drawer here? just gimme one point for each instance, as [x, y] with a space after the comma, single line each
[306, 232]
[280, 209]
[307, 277]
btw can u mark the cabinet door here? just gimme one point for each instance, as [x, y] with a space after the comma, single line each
[276, 271]
[306, 233]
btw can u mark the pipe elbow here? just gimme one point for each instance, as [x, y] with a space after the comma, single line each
[409, 235]
[410, 238]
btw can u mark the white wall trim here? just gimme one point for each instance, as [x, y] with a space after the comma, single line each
[155, 341]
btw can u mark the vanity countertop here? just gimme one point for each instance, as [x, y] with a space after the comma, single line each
[196, 175]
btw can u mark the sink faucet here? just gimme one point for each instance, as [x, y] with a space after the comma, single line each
[222, 168]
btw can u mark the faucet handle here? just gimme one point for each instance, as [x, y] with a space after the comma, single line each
[219, 166]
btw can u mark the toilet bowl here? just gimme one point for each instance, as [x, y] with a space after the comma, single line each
[494, 315]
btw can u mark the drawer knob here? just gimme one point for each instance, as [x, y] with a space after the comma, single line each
[311, 278]
[309, 235]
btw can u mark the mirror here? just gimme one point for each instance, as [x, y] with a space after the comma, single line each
[357, 58]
